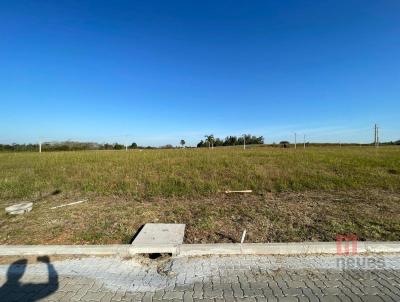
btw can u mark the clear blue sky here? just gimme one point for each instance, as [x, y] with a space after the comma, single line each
[159, 71]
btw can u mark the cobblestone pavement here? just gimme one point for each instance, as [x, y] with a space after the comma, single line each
[228, 278]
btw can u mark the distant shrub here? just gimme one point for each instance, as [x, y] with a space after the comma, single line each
[284, 144]
[168, 146]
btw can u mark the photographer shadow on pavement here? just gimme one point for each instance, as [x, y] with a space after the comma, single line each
[14, 290]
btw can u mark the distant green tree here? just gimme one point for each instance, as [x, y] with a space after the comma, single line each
[183, 143]
[201, 144]
[230, 141]
[218, 142]
[118, 146]
[133, 146]
[210, 140]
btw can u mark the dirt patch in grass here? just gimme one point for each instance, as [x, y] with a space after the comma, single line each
[269, 217]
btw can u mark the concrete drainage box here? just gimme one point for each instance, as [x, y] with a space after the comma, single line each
[161, 233]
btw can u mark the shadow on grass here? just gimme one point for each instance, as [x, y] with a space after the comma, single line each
[15, 290]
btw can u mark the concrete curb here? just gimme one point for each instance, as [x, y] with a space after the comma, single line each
[41, 250]
[303, 248]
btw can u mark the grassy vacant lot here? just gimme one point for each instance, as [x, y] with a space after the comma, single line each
[310, 194]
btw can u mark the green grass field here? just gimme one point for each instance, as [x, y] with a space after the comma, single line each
[309, 194]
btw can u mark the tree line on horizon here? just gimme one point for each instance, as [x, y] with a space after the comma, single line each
[78, 146]
[208, 141]
[211, 141]
[65, 146]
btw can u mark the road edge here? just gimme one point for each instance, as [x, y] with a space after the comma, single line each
[124, 250]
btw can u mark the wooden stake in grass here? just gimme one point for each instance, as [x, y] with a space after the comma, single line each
[243, 236]
[68, 204]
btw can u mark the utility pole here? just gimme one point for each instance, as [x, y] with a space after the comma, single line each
[244, 141]
[40, 147]
[295, 140]
[304, 141]
[376, 136]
